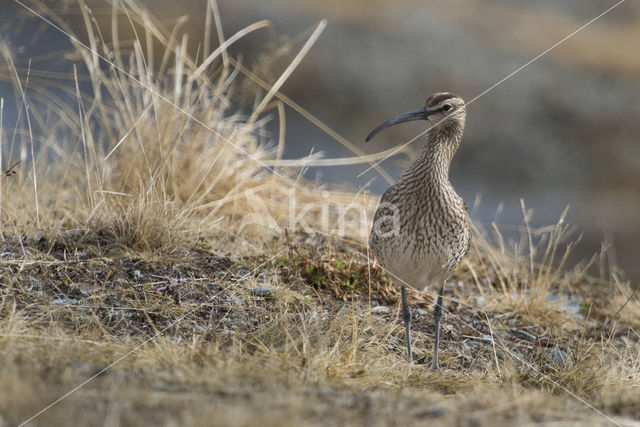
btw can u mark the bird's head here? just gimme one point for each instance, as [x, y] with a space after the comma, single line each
[439, 108]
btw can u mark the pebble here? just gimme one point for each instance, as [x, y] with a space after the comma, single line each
[572, 308]
[137, 274]
[381, 309]
[559, 357]
[89, 288]
[263, 291]
[63, 301]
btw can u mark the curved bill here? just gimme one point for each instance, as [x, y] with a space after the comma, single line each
[417, 114]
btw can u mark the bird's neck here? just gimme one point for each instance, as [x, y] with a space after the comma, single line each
[434, 159]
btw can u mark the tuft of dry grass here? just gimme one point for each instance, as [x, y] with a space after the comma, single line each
[155, 152]
[148, 249]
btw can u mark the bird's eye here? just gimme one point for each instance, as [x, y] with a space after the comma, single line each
[447, 107]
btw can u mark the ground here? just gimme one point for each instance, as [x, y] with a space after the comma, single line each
[309, 335]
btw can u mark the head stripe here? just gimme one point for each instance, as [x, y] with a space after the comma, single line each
[437, 99]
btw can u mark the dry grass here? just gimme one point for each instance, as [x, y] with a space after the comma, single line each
[148, 232]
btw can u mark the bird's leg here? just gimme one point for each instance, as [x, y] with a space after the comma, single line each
[437, 313]
[406, 315]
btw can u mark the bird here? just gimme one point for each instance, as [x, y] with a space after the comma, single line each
[421, 229]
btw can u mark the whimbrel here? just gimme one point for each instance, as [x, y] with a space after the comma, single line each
[421, 228]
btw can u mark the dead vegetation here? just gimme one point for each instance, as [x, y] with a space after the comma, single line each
[149, 274]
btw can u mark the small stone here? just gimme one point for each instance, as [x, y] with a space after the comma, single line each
[63, 301]
[243, 272]
[559, 357]
[137, 274]
[422, 312]
[263, 291]
[572, 308]
[89, 288]
[381, 309]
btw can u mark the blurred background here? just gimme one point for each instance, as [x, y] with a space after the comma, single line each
[563, 131]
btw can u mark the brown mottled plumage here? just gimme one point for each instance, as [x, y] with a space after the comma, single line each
[421, 229]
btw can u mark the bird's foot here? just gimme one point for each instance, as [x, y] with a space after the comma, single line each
[435, 365]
